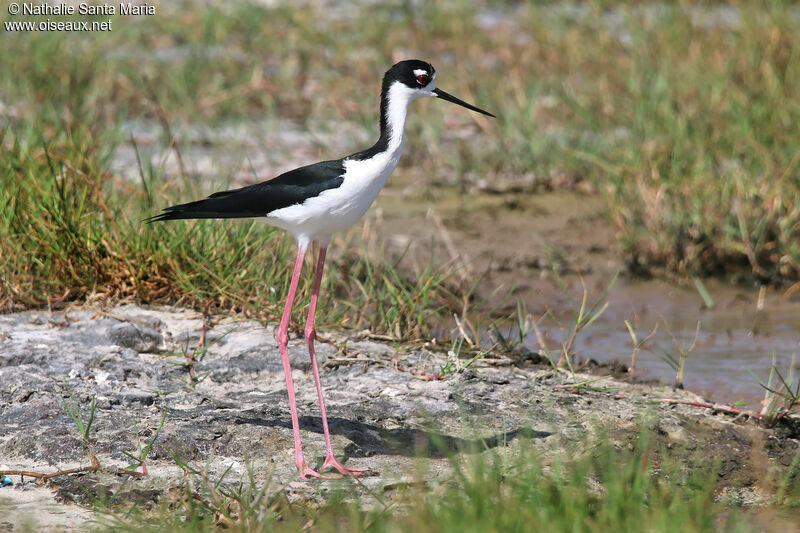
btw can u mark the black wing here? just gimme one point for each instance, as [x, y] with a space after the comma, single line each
[293, 187]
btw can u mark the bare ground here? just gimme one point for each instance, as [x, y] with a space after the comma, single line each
[390, 408]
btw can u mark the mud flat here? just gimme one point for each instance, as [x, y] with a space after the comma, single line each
[389, 406]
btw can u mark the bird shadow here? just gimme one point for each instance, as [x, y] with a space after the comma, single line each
[369, 440]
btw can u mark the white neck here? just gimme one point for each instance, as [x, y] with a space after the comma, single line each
[399, 97]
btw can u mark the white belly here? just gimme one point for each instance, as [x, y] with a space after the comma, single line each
[338, 209]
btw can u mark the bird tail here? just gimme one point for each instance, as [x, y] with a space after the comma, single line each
[218, 205]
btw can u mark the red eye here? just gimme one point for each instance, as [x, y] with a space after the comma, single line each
[423, 79]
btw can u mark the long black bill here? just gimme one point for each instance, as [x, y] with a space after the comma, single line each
[450, 98]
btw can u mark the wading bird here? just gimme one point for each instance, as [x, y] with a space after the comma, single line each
[313, 202]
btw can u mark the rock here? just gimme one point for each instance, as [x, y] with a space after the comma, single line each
[385, 408]
[137, 337]
[129, 397]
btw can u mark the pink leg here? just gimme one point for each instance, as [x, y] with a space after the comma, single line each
[283, 344]
[330, 460]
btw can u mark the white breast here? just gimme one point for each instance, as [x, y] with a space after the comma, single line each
[338, 209]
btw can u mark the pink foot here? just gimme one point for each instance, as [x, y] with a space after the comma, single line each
[306, 473]
[331, 461]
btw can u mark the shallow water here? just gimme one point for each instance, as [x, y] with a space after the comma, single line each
[514, 251]
[734, 337]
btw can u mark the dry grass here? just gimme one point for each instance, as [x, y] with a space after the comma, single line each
[684, 115]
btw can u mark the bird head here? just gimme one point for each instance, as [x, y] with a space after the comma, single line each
[418, 78]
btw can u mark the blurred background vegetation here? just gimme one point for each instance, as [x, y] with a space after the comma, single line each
[683, 115]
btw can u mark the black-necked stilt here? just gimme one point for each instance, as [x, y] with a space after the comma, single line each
[314, 201]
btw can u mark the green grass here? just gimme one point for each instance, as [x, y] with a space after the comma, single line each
[74, 232]
[606, 488]
[688, 128]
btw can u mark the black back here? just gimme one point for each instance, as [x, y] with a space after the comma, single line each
[292, 187]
